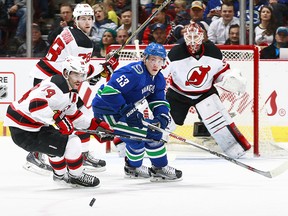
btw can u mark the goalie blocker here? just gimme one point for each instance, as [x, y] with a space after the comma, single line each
[221, 127]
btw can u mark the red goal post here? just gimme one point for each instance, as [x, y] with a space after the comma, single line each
[246, 107]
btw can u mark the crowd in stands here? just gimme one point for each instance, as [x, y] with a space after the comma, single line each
[113, 23]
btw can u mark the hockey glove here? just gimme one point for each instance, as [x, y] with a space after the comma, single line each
[153, 134]
[132, 116]
[161, 120]
[110, 66]
[95, 79]
[99, 125]
[63, 123]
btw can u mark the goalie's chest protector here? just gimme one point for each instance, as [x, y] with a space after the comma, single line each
[195, 75]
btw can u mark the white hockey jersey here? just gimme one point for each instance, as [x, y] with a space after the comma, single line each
[72, 41]
[36, 108]
[192, 76]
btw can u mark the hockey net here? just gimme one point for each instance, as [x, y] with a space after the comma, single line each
[249, 114]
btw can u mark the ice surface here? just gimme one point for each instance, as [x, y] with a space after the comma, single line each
[210, 186]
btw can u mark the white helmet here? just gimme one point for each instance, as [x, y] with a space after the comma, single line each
[194, 37]
[75, 64]
[82, 10]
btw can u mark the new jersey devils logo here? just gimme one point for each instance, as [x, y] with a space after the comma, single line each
[197, 76]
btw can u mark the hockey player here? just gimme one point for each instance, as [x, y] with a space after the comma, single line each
[54, 101]
[115, 103]
[72, 41]
[195, 66]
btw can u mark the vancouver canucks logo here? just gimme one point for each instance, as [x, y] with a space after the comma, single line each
[197, 76]
[3, 91]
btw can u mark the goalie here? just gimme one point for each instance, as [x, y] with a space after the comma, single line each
[195, 66]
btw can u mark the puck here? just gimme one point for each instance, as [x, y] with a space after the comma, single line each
[92, 202]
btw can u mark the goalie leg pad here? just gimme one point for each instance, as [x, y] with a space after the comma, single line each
[221, 127]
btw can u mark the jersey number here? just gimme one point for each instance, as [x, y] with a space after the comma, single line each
[58, 46]
[122, 80]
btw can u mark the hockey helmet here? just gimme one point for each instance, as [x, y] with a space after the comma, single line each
[75, 64]
[83, 10]
[155, 49]
[194, 36]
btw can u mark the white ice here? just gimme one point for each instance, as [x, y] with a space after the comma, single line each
[210, 186]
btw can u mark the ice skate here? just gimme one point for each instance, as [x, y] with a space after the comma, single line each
[84, 180]
[166, 173]
[136, 172]
[35, 162]
[93, 164]
[61, 179]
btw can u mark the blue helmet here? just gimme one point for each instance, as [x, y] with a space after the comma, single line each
[155, 49]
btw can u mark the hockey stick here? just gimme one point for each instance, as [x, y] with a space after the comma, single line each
[143, 25]
[269, 174]
[136, 32]
[101, 133]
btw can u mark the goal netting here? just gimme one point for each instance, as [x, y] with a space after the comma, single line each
[248, 110]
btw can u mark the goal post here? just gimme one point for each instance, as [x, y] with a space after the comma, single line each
[247, 108]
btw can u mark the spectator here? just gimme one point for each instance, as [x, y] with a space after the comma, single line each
[181, 20]
[65, 19]
[121, 5]
[109, 4]
[162, 18]
[90, 2]
[264, 32]
[126, 20]
[158, 33]
[219, 28]
[179, 5]
[39, 46]
[18, 8]
[197, 13]
[108, 38]
[281, 41]
[101, 24]
[280, 12]
[233, 35]
[122, 36]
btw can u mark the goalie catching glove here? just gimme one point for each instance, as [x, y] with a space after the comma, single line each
[233, 81]
[132, 116]
[63, 123]
[102, 126]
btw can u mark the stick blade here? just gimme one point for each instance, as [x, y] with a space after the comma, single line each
[279, 170]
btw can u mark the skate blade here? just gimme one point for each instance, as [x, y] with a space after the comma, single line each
[35, 169]
[163, 179]
[94, 169]
[135, 177]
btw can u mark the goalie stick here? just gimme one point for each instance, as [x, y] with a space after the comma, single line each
[269, 174]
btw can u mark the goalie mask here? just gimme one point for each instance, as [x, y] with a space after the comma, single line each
[75, 71]
[194, 37]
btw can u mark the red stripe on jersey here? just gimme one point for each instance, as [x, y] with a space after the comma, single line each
[37, 104]
[91, 70]
[21, 119]
[47, 68]
[76, 115]
[224, 69]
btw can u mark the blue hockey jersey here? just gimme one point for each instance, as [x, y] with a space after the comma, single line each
[128, 85]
